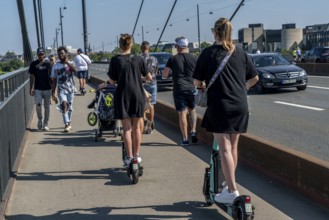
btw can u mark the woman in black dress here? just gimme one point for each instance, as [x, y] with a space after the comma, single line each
[127, 70]
[227, 113]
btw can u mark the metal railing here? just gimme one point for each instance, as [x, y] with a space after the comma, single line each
[16, 106]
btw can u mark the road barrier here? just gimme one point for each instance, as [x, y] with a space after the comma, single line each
[317, 69]
[306, 174]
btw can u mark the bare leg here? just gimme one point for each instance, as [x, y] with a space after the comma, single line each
[137, 134]
[193, 119]
[228, 157]
[127, 127]
[151, 115]
[183, 123]
[81, 83]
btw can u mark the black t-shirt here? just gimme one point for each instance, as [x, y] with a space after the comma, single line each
[129, 99]
[182, 66]
[227, 110]
[41, 72]
[229, 89]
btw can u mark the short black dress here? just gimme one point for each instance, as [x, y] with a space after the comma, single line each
[227, 110]
[129, 98]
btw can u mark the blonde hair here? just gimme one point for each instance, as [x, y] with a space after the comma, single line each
[223, 28]
[126, 41]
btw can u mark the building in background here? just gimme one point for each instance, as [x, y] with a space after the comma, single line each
[252, 38]
[291, 37]
[316, 36]
[288, 38]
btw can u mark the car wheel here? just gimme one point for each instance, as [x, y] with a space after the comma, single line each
[301, 87]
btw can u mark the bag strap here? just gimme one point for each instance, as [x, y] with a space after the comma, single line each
[219, 69]
[84, 59]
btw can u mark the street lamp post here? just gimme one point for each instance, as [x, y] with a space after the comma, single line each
[61, 23]
[199, 29]
[85, 31]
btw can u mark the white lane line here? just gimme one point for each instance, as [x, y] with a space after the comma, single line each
[324, 77]
[318, 87]
[299, 106]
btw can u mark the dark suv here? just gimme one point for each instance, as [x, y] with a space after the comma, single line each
[316, 55]
[162, 61]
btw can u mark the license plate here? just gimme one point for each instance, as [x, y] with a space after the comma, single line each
[248, 208]
[288, 81]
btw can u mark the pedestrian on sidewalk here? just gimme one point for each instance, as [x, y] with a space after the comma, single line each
[41, 87]
[150, 85]
[82, 62]
[182, 66]
[127, 70]
[227, 113]
[62, 75]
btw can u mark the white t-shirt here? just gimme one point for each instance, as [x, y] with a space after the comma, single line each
[82, 61]
[64, 76]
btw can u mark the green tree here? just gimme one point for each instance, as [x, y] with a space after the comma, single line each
[6, 67]
[94, 56]
[16, 64]
[205, 45]
[136, 49]
[9, 54]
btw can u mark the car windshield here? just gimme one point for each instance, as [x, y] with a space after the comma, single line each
[162, 58]
[270, 60]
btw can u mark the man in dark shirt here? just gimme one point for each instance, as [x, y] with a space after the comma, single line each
[182, 66]
[40, 87]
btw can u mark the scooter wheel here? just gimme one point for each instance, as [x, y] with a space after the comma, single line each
[240, 213]
[135, 176]
[134, 166]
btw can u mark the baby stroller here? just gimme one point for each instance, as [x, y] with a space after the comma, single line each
[103, 113]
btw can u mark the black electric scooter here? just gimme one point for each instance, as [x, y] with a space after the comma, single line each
[214, 182]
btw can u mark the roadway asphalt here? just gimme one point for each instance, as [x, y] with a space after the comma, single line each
[301, 129]
[69, 176]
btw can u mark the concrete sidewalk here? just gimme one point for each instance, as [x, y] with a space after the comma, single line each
[69, 176]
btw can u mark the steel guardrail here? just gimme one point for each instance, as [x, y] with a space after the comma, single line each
[16, 106]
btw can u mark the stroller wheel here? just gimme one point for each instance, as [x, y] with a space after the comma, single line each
[92, 119]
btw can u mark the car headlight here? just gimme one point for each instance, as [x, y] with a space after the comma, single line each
[302, 73]
[268, 76]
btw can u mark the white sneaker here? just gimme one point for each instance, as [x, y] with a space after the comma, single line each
[46, 128]
[226, 197]
[224, 189]
[66, 128]
[139, 159]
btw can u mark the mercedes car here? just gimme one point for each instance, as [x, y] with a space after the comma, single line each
[275, 72]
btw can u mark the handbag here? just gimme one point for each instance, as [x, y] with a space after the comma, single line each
[201, 96]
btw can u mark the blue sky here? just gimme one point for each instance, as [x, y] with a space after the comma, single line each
[106, 19]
